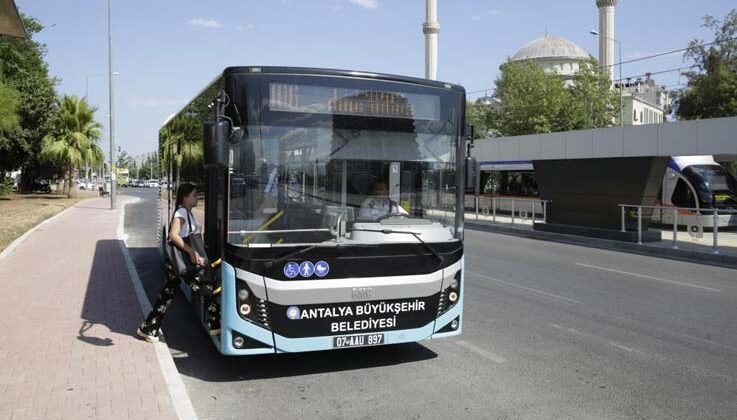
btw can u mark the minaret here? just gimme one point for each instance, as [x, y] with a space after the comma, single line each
[606, 34]
[430, 28]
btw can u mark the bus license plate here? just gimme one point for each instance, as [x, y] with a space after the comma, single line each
[358, 340]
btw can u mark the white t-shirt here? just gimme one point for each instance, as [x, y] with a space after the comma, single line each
[181, 214]
[374, 207]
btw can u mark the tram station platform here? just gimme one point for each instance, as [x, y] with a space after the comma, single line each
[589, 173]
[69, 312]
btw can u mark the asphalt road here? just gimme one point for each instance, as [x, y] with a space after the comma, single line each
[551, 331]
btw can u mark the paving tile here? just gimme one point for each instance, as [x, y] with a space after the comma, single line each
[77, 356]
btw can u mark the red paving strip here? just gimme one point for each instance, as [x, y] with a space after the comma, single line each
[69, 315]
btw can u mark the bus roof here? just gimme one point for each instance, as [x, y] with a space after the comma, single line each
[336, 72]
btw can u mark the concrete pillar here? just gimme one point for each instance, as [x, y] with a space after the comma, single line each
[606, 34]
[431, 28]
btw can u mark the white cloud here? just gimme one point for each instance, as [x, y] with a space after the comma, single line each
[369, 4]
[156, 102]
[240, 28]
[205, 23]
[484, 15]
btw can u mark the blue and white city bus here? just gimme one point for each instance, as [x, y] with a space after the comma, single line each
[334, 201]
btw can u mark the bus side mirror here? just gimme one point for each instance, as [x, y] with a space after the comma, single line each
[216, 148]
[470, 132]
[237, 135]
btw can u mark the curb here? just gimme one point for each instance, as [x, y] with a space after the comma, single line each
[717, 260]
[177, 391]
[22, 238]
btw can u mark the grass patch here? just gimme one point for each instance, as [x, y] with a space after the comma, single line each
[21, 212]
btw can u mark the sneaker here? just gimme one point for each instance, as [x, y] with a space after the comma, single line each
[215, 332]
[149, 337]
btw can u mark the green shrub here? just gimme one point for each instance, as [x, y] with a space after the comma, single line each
[7, 185]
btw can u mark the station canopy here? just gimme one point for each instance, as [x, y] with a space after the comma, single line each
[10, 22]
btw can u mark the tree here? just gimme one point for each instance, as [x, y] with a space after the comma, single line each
[8, 108]
[73, 138]
[712, 85]
[124, 161]
[479, 115]
[23, 69]
[594, 103]
[533, 101]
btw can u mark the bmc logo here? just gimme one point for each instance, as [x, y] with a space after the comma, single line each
[362, 293]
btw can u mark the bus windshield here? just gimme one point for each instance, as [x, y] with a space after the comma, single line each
[323, 151]
[714, 185]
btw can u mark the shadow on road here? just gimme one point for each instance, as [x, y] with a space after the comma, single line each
[209, 365]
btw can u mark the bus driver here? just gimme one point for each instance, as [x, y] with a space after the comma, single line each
[379, 204]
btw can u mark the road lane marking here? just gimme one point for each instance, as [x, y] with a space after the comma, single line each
[530, 289]
[645, 276]
[481, 352]
[595, 338]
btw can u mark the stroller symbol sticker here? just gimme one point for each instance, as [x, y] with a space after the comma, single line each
[291, 270]
[322, 269]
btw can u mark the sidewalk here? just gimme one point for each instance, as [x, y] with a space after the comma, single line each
[69, 312]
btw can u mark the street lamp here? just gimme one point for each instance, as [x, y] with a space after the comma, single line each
[87, 81]
[112, 119]
[621, 87]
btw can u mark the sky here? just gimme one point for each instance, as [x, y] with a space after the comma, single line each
[166, 51]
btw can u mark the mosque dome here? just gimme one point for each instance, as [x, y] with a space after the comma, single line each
[550, 47]
[555, 55]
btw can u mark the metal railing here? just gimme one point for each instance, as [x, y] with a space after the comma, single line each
[517, 208]
[713, 213]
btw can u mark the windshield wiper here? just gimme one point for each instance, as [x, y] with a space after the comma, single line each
[288, 256]
[406, 232]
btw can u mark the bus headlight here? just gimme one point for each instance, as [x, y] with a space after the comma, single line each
[250, 307]
[451, 294]
[238, 342]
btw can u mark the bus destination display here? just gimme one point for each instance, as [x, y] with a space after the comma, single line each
[311, 99]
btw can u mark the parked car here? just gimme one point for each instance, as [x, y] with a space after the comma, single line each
[82, 185]
[41, 186]
[152, 183]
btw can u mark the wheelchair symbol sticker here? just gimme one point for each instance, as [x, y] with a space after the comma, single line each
[291, 270]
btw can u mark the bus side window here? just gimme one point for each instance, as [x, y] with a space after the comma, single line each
[682, 195]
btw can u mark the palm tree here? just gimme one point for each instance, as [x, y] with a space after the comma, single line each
[124, 161]
[73, 137]
[182, 139]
